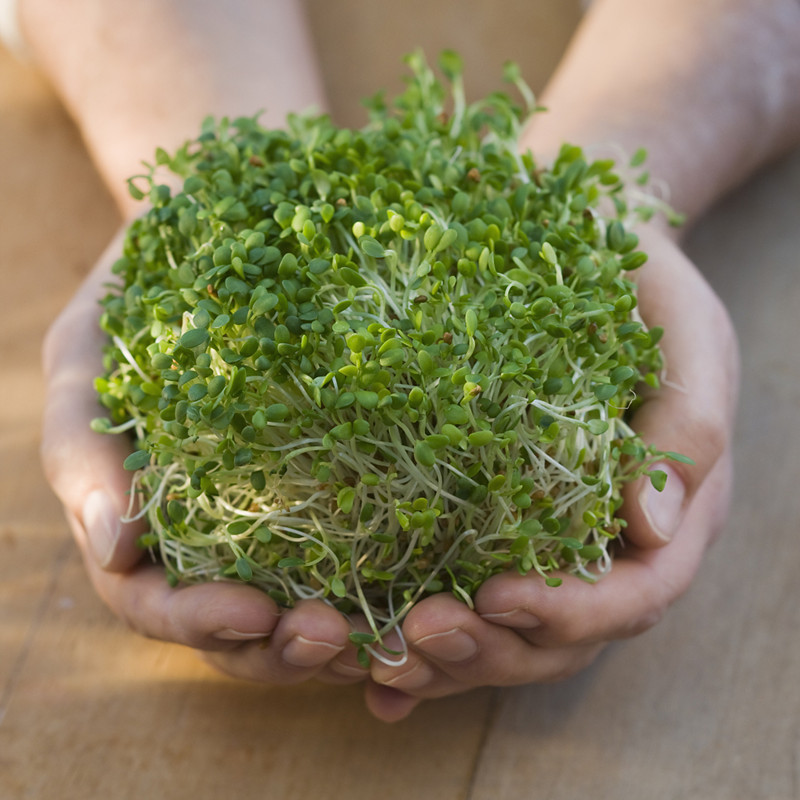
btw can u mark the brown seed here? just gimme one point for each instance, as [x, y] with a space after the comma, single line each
[256, 161]
[341, 202]
[447, 337]
[474, 174]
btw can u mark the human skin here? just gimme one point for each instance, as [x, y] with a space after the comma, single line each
[712, 89]
[714, 95]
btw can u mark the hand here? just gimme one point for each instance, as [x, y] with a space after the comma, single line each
[523, 631]
[230, 622]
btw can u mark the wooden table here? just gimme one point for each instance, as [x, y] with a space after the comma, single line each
[705, 706]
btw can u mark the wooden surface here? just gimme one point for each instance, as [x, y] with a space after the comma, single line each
[705, 706]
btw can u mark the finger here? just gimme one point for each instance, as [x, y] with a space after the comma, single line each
[692, 413]
[642, 583]
[305, 641]
[83, 467]
[408, 678]
[408, 672]
[347, 667]
[241, 628]
[210, 616]
[469, 651]
[388, 704]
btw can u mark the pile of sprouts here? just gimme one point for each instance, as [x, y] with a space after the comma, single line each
[370, 365]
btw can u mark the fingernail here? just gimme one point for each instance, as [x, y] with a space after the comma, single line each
[101, 520]
[347, 670]
[421, 674]
[516, 618]
[232, 635]
[663, 509]
[452, 645]
[302, 652]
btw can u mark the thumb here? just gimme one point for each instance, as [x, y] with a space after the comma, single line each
[692, 413]
[83, 467]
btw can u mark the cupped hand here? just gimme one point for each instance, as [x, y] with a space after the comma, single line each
[523, 631]
[240, 628]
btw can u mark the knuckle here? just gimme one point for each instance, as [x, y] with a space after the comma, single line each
[666, 589]
[132, 622]
[563, 673]
[48, 455]
[642, 623]
[49, 346]
[704, 435]
[575, 630]
[55, 465]
[573, 665]
[710, 431]
[673, 588]
[223, 665]
[53, 342]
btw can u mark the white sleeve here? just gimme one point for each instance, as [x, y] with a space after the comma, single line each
[10, 33]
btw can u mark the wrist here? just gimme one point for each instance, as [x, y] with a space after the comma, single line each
[136, 76]
[711, 90]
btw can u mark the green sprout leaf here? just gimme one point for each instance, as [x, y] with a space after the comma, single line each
[371, 247]
[658, 478]
[358, 638]
[243, 569]
[136, 460]
[451, 64]
[369, 365]
[672, 456]
[193, 338]
[639, 157]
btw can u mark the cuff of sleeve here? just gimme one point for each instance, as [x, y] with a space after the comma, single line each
[10, 33]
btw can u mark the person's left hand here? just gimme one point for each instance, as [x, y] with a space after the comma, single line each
[523, 631]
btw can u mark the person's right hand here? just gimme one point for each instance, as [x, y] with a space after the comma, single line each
[523, 631]
[240, 629]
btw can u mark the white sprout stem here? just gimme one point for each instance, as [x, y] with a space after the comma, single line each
[123, 348]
